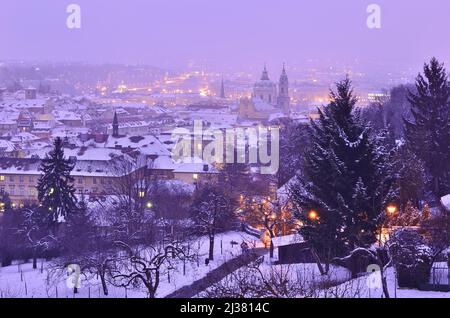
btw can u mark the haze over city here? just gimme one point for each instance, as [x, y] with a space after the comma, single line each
[228, 35]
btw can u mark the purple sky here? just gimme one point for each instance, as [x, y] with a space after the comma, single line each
[226, 33]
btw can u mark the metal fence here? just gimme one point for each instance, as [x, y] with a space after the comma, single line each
[439, 280]
[440, 276]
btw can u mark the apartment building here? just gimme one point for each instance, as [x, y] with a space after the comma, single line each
[19, 178]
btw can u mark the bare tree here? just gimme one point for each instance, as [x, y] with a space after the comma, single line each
[129, 214]
[253, 281]
[271, 215]
[211, 213]
[36, 232]
[281, 281]
[146, 266]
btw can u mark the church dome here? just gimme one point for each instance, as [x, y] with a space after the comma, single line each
[265, 81]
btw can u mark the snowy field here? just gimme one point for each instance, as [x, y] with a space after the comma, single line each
[367, 287]
[338, 283]
[21, 281]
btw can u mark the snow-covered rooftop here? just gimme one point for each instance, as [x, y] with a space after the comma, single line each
[148, 145]
[287, 240]
[446, 202]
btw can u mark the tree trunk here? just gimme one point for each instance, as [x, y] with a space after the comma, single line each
[103, 280]
[322, 270]
[384, 284]
[211, 248]
[271, 243]
[34, 262]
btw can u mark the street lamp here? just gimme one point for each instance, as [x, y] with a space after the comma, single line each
[391, 209]
[313, 215]
[149, 205]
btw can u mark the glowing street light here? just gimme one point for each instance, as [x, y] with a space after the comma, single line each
[391, 209]
[313, 215]
[149, 205]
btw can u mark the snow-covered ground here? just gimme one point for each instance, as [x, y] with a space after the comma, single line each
[370, 287]
[20, 280]
[338, 283]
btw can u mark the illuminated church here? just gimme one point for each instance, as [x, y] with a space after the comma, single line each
[268, 99]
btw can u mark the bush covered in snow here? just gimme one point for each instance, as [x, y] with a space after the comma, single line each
[412, 258]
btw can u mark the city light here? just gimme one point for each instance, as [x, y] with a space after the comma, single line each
[313, 215]
[391, 209]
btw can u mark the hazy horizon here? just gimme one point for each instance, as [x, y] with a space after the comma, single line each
[228, 34]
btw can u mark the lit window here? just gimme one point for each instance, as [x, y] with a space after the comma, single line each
[2, 178]
[195, 176]
[141, 194]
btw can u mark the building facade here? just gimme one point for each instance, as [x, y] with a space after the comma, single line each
[267, 99]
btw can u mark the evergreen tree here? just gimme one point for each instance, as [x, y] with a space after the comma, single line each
[409, 174]
[340, 198]
[428, 133]
[408, 216]
[294, 140]
[79, 234]
[55, 186]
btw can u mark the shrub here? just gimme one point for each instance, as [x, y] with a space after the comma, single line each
[412, 258]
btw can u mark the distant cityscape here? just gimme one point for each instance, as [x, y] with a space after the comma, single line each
[78, 102]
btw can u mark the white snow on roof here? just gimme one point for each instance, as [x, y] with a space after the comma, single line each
[6, 146]
[446, 202]
[9, 117]
[66, 115]
[92, 154]
[261, 105]
[287, 240]
[148, 145]
[162, 163]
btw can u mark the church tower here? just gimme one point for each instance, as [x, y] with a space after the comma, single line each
[265, 89]
[115, 126]
[222, 90]
[283, 101]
